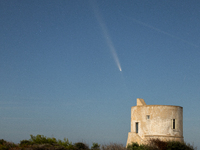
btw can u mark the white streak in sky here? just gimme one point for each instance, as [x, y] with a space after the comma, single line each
[158, 30]
[105, 34]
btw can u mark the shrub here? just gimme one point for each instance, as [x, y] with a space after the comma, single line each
[2, 141]
[65, 143]
[158, 144]
[113, 146]
[95, 146]
[6, 145]
[25, 142]
[41, 142]
[3, 147]
[136, 146]
[175, 145]
[81, 146]
[41, 139]
[132, 146]
[169, 145]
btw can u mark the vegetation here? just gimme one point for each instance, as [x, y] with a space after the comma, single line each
[113, 146]
[4, 145]
[95, 146]
[156, 144]
[40, 142]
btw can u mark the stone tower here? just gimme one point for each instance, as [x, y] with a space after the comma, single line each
[155, 121]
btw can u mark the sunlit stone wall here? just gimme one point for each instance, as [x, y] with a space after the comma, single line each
[155, 121]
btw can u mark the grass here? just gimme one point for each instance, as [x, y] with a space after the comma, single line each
[40, 142]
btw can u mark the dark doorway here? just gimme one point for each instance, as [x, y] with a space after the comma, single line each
[136, 127]
[173, 124]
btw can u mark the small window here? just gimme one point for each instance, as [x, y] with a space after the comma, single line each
[148, 117]
[173, 123]
[136, 127]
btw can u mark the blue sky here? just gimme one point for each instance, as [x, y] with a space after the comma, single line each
[60, 66]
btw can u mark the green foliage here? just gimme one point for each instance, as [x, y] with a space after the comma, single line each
[41, 139]
[132, 146]
[95, 146]
[25, 142]
[136, 146]
[81, 146]
[40, 142]
[156, 144]
[175, 145]
[65, 143]
[3, 147]
[170, 145]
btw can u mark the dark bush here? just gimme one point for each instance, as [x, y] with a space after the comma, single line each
[136, 146]
[157, 143]
[2, 141]
[113, 146]
[175, 145]
[81, 146]
[3, 147]
[25, 142]
[169, 145]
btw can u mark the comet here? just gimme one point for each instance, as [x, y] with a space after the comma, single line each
[105, 34]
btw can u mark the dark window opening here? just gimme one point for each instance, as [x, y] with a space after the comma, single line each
[173, 124]
[136, 127]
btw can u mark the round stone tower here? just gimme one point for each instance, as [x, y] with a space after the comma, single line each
[155, 121]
